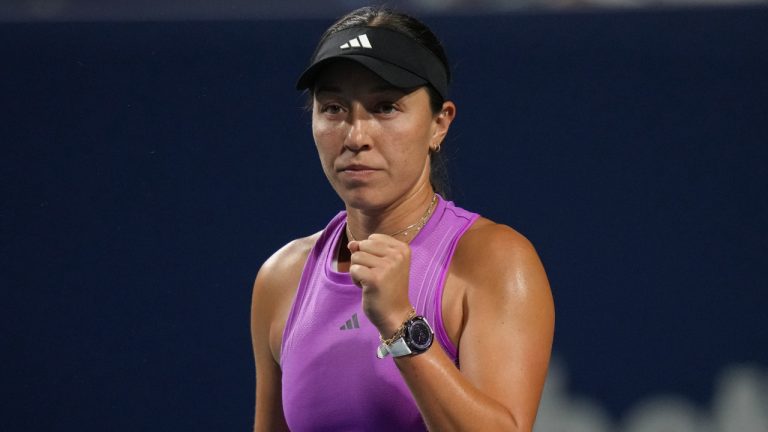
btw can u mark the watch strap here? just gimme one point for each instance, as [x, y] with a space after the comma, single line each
[398, 348]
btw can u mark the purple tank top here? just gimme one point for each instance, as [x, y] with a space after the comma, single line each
[332, 380]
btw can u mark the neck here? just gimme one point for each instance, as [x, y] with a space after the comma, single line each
[392, 219]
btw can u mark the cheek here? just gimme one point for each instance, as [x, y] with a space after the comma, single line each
[327, 145]
[324, 138]
[412, 146]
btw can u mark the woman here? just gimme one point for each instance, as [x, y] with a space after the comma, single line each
[343, 321]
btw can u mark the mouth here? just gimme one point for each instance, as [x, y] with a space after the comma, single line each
[356, 168]
[356, 172]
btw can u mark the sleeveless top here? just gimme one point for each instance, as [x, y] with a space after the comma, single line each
[331, 378]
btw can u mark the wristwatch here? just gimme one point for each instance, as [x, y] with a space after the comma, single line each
[417, 338]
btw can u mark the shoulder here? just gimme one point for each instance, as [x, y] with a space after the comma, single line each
[494, 257]
[487, 244]
[285, 265]
[289, 256]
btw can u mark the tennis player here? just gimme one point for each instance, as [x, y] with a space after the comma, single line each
[406, 312]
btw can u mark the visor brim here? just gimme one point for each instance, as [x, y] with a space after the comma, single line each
[395, 75]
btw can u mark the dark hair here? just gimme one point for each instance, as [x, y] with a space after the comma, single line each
[371, 16]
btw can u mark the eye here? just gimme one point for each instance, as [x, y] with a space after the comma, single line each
[331, 108]
[386, 108]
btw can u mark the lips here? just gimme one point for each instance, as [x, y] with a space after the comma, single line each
[357, 173]
[356, 168]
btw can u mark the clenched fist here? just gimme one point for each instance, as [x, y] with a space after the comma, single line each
[380, 265]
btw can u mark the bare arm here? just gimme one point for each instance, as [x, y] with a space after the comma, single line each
[273, 292]
[505, 343]
[269, 407]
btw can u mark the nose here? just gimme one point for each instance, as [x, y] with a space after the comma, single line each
[358, 134]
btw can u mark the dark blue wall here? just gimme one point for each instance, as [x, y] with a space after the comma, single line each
[149, 168]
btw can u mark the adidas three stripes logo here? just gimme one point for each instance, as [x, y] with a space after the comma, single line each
[360, 41]
[351, 324]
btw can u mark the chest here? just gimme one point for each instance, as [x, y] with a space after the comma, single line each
[331, 377]
[452, 304]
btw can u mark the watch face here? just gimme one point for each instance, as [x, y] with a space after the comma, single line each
[420, 335]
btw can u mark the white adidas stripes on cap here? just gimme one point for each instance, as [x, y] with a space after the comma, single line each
[360, 41]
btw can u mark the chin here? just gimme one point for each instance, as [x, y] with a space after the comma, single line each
[362, 198]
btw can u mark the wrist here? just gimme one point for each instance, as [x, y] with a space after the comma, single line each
[393, 326]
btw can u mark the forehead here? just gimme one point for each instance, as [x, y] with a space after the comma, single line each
[346, 75]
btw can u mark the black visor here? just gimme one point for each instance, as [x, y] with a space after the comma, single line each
[395, 57]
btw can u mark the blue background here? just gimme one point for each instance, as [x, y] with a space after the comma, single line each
[148, 169]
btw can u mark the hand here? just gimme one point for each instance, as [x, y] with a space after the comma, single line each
[380, 265]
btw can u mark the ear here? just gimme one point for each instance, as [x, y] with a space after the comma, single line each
[442, 123]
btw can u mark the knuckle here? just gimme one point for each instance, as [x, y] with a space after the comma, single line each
[401, 255]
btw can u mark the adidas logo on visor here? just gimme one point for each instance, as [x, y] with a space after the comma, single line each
[360, 41]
